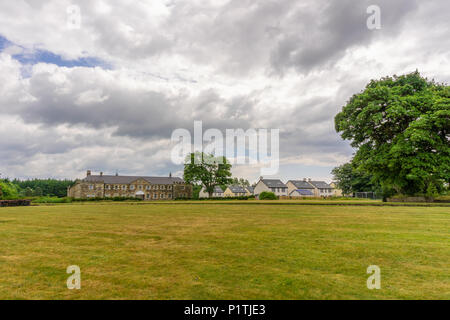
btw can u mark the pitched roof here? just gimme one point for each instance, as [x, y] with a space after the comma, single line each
[321, 184]
[217, 189]
[274, 183]
[237, 189]
[129, 179]
[301, 184]
[303, 192]
[250, 189]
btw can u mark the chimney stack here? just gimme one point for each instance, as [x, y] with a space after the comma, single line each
[309, 179]
[304, 179]
[101, 174]
[88, 173]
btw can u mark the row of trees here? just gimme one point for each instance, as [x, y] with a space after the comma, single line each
[400, 128]
[36, 187]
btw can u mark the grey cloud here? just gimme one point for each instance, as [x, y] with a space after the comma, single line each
[318, 38]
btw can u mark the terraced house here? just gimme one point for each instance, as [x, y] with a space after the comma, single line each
[145, 188]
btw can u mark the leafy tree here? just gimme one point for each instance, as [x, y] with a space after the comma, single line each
[8, 190]
[37, 192]
[240, 182]
[207, 170]
[28, 192]
[400, 128]
[350, 180]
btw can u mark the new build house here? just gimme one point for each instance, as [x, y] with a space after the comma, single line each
[235, 191]
[309, 188]
[217, 193]
[271, 185]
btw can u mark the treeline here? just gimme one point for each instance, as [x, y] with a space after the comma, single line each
[34, 188]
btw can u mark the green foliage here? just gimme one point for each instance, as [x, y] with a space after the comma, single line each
[48, 187]
[432, 191]
[350, 179]
[52, 200]
[240, 182]
[400, 128]
[267, 196]
[207, 170]
[38, 192]
[107, 199]
[196, 191]
[220, 198]
[8, 190]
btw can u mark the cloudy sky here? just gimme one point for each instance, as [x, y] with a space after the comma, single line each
[106, 94]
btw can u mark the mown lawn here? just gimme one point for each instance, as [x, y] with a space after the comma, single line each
[223, 251]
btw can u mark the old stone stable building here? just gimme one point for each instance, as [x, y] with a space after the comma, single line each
[145, 188]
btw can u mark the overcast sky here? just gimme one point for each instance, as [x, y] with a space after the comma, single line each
[106, 96]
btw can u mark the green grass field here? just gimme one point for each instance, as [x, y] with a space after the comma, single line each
[223, 251]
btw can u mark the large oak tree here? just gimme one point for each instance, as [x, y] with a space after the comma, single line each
[207, 170]
[400, 127]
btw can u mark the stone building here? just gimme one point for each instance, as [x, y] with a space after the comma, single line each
[145, 188]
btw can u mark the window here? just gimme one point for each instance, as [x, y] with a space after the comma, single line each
[91, 187]
[140, 187]
[108, 187]
[169, 196]
[156, 187]
[163, 187]
[147, 187]
[148, 195]
[155, 196]
[162, 196]
[132, 187]
[124, 187]
[169, 187]
[182, 187]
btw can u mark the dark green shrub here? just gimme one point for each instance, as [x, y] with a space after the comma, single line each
[267, 196]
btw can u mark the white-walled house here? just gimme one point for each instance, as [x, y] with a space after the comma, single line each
[271, 185]
[218, 193]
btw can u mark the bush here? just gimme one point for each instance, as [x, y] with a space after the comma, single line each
[107, 199]
[267, 196]
[52, 200]
[219, 198]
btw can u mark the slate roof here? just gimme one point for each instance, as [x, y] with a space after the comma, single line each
[250, 189]
[321, 184]
[301, 184]
[237, 189]
[218, 189]
[274, 183]
[303, 192]
[129, 179]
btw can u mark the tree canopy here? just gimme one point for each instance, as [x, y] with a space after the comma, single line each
[207, 170]
[350, 180]
[400, 128]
